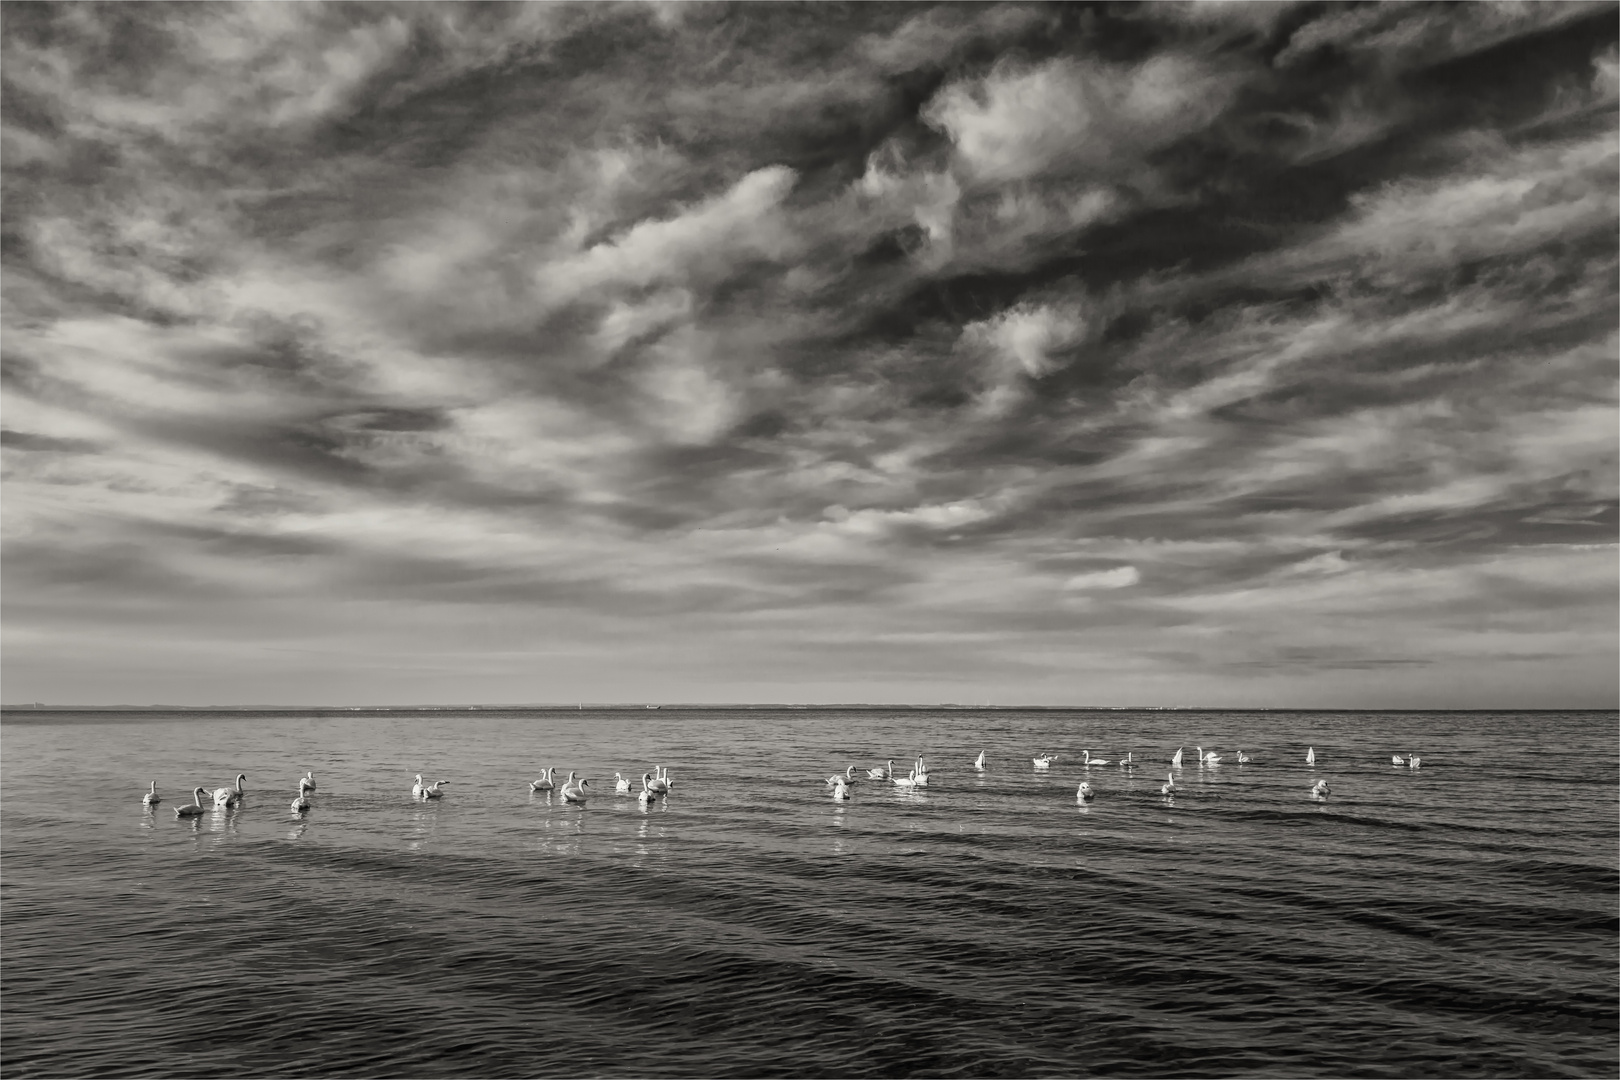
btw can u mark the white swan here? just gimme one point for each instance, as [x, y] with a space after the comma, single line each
[302, 803]
[647, 796]
[1169, 787]
[151, 798]
[1043, 759]
[1414, 761]
[1083, 793]
[840, 791]
[1128, 761]
[1090, 761]
[905, 783]
[432, 790]
[544, 783]
[575, 793]
[660, 783]
[418, 787]
[1397, 760]
[1211, 758]
[230, 796]
[1175, 759]
[921, 773]
[978, 762]
[847, 778]
[194, 808]
[308, 781]
[621, 786]
[1320, 790]
[1310, 755]
[883, 773]
[1243, 759]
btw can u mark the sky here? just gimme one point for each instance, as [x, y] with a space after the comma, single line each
[1178, 355]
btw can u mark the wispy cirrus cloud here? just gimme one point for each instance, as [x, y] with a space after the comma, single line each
[1208, 353]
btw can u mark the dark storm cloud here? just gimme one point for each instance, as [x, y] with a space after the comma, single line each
[1217, 326]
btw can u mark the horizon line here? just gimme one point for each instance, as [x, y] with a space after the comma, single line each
[680, 706]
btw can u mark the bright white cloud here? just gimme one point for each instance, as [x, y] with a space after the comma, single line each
[1020, 122]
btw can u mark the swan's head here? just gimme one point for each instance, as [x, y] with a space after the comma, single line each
[418, 778]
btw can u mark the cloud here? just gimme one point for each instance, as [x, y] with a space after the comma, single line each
[704, 241]
[607, 351]
[1121, 577]
[1099, 119]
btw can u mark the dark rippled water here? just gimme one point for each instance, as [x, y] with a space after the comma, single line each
[1456, 921]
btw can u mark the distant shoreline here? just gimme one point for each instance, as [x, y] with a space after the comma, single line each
[763, 707]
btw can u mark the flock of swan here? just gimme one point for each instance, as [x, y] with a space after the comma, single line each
[227, 797]
[918, 777]
[656, 784]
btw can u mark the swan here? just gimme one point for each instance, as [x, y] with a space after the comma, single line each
[544, 783]
[1175, 760]
[840, 791]
[151, 798]
[1243, 759]
[906, 783]
[576, 793]
[1414, 761]
[230, 796]
[1128, 762]
[1090, 761]
[660, 783]
[1320, 791]
[308, 781]
[647, 796]
[1310, 755]
[663, 774]
[921, 772]
[1211, 758]
[847, 778]
[192, 809]
[883, 773]
[418, 787]
[1044, 759]
[978, 762]
[1397, 760]
[1169, 787]
[621, 786]
[1083, 793]
[302, 803]
[432, 790]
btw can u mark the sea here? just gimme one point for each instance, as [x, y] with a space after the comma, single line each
[1459, 919]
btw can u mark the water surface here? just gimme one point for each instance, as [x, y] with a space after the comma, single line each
[1459, 920]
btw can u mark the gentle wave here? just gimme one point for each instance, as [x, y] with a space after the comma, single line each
[1415, 924]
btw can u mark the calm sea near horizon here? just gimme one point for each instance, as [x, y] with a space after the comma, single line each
[1456, 920]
